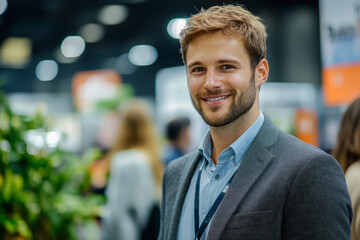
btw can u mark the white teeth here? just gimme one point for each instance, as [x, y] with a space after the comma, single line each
[215, 99]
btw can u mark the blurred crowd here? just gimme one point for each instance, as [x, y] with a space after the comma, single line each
[129, 173]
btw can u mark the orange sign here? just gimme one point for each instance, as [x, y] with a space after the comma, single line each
[306, 126]
[341, 84]
[92, 86]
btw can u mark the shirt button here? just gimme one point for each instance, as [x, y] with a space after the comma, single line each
[217, 176]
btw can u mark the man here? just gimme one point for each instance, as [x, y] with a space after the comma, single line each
[178, 133]
[247, 180]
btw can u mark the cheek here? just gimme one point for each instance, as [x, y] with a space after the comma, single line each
[239, 83]
[193, 85]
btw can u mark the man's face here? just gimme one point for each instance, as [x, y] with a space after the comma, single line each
[220, 78]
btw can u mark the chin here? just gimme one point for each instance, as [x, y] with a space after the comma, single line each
[216, 121]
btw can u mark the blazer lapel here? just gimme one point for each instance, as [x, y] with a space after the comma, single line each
[254, 163]
[184, 183]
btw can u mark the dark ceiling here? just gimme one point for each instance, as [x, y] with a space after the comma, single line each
[48, 22]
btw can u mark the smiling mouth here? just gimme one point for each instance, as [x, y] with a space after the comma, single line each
[213, 99]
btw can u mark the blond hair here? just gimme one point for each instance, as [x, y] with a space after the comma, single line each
[347, 149]
[137, 131]
[233, 21]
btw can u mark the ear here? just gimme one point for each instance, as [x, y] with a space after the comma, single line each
[261, 72]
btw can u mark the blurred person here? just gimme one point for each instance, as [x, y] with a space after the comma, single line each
[248, 179]
[136, 169]
[178, 134]
[347, 152]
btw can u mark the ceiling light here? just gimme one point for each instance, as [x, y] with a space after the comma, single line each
[175, 26]
[92, 32]
[46, 70]
[73, 46]
[143, 55]
[113, 14]
[3, 6]
[15, 51]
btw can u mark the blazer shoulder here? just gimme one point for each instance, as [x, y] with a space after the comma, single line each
[295, 145]
[290, 149]
[299, 153]
[271, 136]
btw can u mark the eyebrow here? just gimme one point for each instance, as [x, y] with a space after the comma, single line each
[193, 64]
[228, 61]
[220, 61]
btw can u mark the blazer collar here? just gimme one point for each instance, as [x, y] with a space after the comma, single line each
[254, 163]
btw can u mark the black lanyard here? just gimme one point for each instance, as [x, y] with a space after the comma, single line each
[210, 214]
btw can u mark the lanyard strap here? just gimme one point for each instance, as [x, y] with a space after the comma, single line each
[211, 212]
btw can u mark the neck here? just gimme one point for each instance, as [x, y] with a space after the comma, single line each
[222, 137]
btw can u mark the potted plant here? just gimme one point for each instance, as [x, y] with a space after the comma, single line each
[43, 195]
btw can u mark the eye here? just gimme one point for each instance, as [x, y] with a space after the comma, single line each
[225, 67]
[198, 69]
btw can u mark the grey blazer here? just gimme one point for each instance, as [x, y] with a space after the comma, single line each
[283, 189]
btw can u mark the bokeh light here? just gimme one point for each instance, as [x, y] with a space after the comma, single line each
[53, 138]
[175, 26]
[113, 14]
[73, 46]
[143, 55]
[92, 32]
[3, 6]
[46, 70]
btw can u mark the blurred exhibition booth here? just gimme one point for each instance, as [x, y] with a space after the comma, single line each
[76, 62]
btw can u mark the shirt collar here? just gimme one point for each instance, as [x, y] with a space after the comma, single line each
[239, 147]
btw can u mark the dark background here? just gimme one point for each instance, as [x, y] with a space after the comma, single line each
[293, 42]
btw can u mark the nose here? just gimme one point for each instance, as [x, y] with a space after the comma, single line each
[212, 80]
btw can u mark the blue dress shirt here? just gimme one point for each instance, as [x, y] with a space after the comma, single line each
[213, 178]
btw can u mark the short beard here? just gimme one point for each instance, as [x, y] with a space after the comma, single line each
[241, 106]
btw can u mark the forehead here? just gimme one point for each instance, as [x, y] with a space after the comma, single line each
[213, 46]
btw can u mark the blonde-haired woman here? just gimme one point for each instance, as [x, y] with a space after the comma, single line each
[136, 170]
[347, 152]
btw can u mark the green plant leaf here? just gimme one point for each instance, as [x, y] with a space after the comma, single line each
[46, 194]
